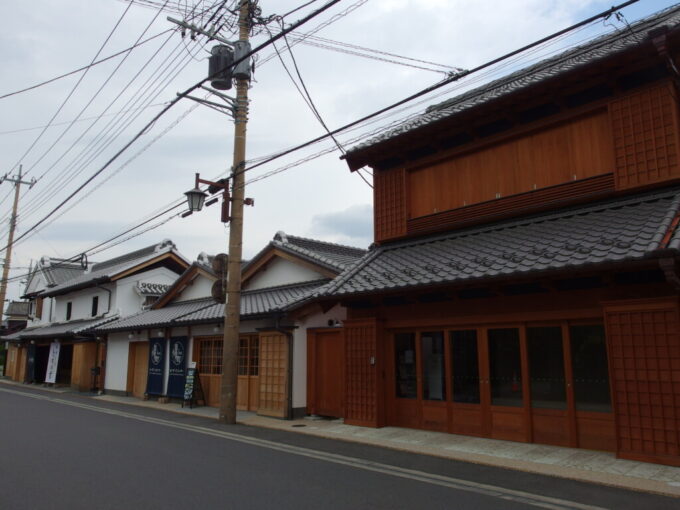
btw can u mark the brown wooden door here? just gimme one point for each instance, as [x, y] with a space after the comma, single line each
[140, 368]
[404, 408]
[327, 354]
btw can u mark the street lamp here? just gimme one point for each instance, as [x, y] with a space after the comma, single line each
[196, 196]
[195, 199]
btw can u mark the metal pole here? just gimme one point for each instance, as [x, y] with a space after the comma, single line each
[232, 308]
[10, 239]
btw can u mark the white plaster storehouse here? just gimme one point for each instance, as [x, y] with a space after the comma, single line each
[67, 300]
[272, 364]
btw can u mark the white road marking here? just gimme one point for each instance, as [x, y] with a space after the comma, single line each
[367, 465]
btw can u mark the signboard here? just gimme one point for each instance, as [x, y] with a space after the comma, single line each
[52, 363]
[193, 391]
[154, 382]
[178, 363]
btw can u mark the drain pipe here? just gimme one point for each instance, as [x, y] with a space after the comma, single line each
[108, 302]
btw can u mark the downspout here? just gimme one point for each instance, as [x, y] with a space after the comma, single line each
[108, 302]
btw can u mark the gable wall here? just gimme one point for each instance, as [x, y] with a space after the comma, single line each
[199, 288]
[281, 272]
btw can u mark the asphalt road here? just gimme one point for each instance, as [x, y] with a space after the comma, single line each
[62, 451]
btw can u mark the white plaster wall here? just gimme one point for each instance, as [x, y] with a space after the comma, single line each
[281, 272]
[117, 350]
[127, 299]
[317, 320]
[199, 288]
[81, 303]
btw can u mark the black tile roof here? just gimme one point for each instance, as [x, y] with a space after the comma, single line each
[104, 271]
[623, 229]
[254, 303]
[70, 329]
[17, 308]
[332, 256]
[589, 53]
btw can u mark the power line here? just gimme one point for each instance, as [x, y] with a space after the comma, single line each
[73, 89]
[87, 67]
[300, 22]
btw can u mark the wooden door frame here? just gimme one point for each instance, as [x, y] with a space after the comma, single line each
[311, 366]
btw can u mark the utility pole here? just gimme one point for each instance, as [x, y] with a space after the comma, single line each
[10, 239]
[232, 308]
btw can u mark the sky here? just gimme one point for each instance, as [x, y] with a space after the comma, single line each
[92, 115]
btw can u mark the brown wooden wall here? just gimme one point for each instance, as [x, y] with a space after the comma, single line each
[274, 377]
[645, 133]
[644, 348]
[567, 152]
[12, 363]
[364, 403]
[84, 358]
[628, 142]
[389, 198]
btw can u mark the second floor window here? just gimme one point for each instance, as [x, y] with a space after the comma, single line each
[69, 306]
[95, 305]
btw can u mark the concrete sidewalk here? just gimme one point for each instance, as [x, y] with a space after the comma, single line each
[576, 464]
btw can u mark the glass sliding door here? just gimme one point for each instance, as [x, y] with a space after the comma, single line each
[465, 366]
[590, 369]
[505, 367]
[546, 367]
[405, 365]
[433, 364]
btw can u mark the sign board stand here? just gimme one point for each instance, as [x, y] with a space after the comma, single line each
[193, 391]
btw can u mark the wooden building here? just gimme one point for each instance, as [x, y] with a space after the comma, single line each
[524, 282]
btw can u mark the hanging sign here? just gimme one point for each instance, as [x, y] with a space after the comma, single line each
[178, 363]
[52, 363]
[154, 382]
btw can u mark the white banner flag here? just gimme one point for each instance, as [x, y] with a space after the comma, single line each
[52, 363]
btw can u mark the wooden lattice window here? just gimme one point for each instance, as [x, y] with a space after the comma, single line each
[248, 355]
[210, 356]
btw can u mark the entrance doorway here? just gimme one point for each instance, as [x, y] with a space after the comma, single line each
[138, 368]
[326, 372]
[248, 389]
[543, 383]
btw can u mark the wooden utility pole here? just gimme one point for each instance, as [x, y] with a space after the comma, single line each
[10, 239]
[232, 308]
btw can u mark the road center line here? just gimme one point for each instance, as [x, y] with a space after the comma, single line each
[367, 465]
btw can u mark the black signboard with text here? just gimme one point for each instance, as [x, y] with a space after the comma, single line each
[154, 384]
[178, 363]
[193, 391]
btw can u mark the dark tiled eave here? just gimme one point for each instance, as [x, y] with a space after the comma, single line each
[594, 53]
[579, 238]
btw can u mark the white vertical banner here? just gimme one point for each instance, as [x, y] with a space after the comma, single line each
[52, 363]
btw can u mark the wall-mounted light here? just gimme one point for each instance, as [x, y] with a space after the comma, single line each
[160, 334]
[131, 336]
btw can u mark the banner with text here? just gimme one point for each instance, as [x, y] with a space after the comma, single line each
[52, 363]
[178, 364]
[154, 383]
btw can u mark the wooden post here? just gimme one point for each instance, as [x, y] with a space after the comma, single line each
[232, 308]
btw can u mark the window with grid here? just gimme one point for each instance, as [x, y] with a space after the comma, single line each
[248, 355]
[210, 356]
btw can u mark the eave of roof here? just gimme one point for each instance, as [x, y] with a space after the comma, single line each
[613, 231]
[592, 53]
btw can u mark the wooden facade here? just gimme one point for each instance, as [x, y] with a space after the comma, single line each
[263, 371]
[84, 359]
[590, 366]
[326, 372]
[609, 147]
